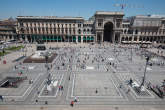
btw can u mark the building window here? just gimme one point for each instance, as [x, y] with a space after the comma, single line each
[100, 22]
[87, 31]
[84, 31]
[91, 30]
[79, 31]
[118, 25]
[79, 25]
[74, 31]
[136, 31]
[21, 24]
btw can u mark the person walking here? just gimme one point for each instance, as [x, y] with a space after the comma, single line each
[72, 103]
[69, 78]
[1, 98]
[75, 99]
[128, 91]
[62, 88]
[96, 91]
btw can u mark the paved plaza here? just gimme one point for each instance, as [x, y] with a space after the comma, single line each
[93, 74]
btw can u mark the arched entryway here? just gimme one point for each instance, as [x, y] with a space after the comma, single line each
[108, 31]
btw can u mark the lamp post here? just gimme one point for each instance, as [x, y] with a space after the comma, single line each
[46, 61]
[131, 53]
[142, 84]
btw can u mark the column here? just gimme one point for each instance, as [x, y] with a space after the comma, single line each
[138, 37]
[102, 37]
[26, 39]
[96, 38]
[81, 39]
[76, 39]
[133, 38]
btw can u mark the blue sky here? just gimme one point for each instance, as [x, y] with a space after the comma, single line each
[84, 8]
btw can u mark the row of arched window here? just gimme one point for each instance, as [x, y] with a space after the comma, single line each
[85, 31]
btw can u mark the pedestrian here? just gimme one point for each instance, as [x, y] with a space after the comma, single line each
[120, 86]
[1, 98]
[46, 102]
[72, 103]
[75, 99]
[38, 92]
[96, 91]
[15, 67]
[130, 81]
[128, 91]
[62, 88]
[69, 77]
[149, 85]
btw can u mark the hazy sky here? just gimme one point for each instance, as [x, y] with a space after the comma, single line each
[84, 8]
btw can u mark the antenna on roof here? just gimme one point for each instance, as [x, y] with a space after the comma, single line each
[124, 5]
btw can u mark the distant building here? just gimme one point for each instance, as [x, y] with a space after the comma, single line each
[144, 29]
[101, 27]
[8, 29]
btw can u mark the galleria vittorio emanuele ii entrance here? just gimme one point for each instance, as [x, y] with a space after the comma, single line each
[108, 32]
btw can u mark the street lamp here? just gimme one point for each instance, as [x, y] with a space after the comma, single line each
[131, 53]
[142, 84]
[46, 61]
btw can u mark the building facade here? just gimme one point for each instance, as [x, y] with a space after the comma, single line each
[8, 30]
[144, 29]
[101, 27]
[105, 26]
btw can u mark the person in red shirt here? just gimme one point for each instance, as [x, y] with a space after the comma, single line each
[72, 103]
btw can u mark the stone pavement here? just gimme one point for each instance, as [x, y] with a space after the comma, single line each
[78, 107]
[97, 75]
[13, 56]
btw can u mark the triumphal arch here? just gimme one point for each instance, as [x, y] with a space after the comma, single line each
[108, 26]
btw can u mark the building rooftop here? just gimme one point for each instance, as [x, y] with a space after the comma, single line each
[49, 17]
[108, 13]
[150, 16]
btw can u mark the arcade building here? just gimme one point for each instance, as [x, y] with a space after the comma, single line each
[101, 27]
